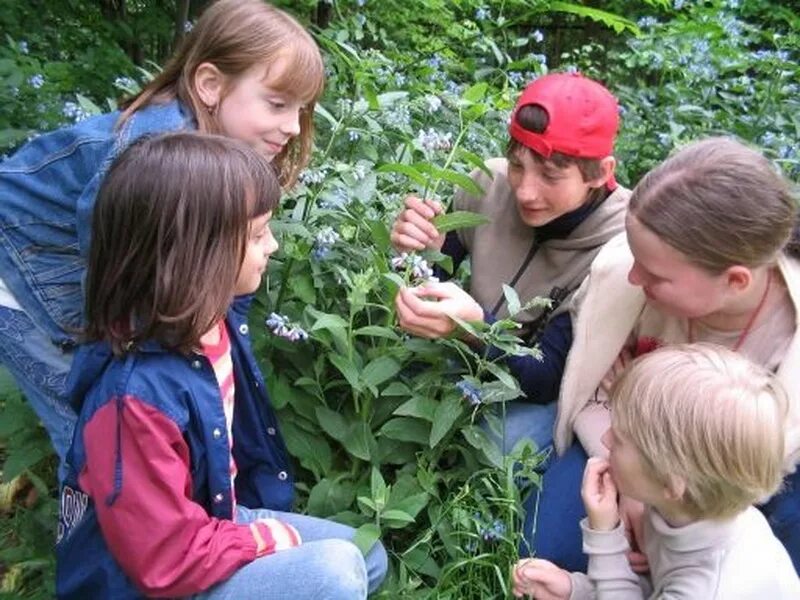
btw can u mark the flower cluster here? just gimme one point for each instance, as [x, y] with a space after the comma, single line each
[74, 111]
[418, 266]
[282, 327]
[493, 532]
[324, 241]
[431, 140]
[470, 391]
[36, 81]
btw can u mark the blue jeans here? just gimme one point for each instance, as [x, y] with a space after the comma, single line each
[783, 513]
[524, 420]
[40, 369]
[553, 513]
[326, 566]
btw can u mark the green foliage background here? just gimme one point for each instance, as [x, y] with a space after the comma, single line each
[384, 436]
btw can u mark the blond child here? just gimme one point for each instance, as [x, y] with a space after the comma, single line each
[697, 436]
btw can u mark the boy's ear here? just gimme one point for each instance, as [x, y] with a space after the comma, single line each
[675, 488]
[607, 166]
[209, 83]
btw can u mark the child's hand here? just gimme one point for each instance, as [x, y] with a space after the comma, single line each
[413, 230]
[272, 535]
[541, 579]
[600, 495]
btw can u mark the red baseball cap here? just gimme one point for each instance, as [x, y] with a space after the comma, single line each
[583, 117]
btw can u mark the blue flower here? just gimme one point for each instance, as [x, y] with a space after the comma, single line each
[482, 13]
[420, 270]
[493, 532]
[23, 47]
[470, 391]
[36, 81]
[282, 327]
[326, 238]
[537, 36]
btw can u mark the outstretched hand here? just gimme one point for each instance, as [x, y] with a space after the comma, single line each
[426, 310]
[541, 579]
[413, 230]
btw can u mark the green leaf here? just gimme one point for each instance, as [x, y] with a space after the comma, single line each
[313, 451]
[475, 92]
[377, 331]
[475, 161]
[406, 430]
[464, 181]
[396, 518]
[334, 424]
[327, 321]
[421, 407]
[460, 219]
[512, 299]
[359, 440]
[447, 413]
[477, 438]
[303, 287]
[396, 388]
[411, 505]
[379, 370]
[406, 170]
[330, 496]
[366, 536]
[380, 493]
[503, 375]
[322, 111]
[346, 368]
[615, 22]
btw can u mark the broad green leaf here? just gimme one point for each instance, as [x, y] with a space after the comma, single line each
[346, 368]
[396, 518]
[330, 496]
[311, 450]
[615, 22]
[475, 161]
[460, 219]
[328, 321]
[447, 413]
[366, 536]
[358, 440]
[464, 181]
[475, 92]
[406, 430]
[406, 170]
[380, 369]
[421, 407]
[503, 376]
[377, 331]
[411, 505]
[303, 287]
[396, 388]
[334, 424]
[477, 438]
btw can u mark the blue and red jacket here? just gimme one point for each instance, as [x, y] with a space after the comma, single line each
[151, 513]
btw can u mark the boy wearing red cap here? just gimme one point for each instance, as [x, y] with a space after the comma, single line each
[552, 204]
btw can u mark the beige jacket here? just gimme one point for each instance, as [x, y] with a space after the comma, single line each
[605, 311]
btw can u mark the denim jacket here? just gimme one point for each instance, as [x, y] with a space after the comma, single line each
[47, 194]
[185, 390]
